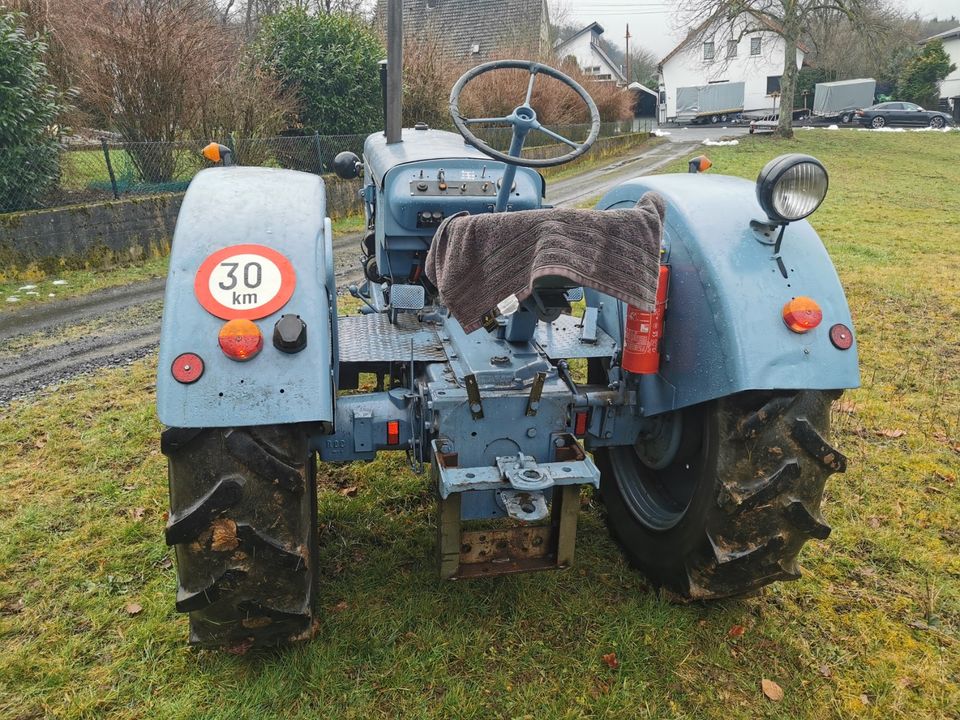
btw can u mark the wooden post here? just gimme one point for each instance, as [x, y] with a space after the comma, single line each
[448, 535]
[627, 55]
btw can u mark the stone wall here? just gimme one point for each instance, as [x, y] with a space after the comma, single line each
[106, 233]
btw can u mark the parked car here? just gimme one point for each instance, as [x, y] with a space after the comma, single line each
[901, 113]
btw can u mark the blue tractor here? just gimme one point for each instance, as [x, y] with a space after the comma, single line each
[697, 406]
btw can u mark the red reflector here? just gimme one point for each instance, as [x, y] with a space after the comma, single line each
[240, 339]
[580, 423]
[802, 314]
[841, 336]
[187, 368]
[393, 432]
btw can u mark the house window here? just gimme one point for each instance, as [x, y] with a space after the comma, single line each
[731, 48]
[773, 84]
[754, 46]
[708, 50]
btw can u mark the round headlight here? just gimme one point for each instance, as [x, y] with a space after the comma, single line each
[791, 187]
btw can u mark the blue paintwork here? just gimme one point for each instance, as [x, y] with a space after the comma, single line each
[724, 331]
[281, 209]
[422, 154]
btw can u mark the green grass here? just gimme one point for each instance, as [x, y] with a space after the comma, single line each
[872, 630]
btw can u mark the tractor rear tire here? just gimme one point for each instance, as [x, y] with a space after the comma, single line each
[728, 511]
[243, 521]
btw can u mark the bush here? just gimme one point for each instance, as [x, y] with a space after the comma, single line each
[29, 106]
[330, 61]
[497, 93]
[920, 81]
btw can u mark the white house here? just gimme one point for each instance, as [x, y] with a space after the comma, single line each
[950, 87]
[584, 45]
[733, 53]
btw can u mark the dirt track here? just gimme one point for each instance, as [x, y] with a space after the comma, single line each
[54, 341]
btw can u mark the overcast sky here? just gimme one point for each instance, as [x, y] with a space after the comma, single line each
[652, 22]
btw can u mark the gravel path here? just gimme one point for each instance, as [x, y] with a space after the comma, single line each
[51, 342]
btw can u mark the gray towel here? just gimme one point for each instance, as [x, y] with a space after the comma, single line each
[478, 260]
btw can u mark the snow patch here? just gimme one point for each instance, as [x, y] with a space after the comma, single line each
[28, 287]
[718, 143]
[660, 133]
[13, 298]
[59, 282]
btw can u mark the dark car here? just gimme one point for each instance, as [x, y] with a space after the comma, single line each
[900, 113]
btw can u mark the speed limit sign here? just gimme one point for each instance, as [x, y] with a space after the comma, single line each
[244, 281]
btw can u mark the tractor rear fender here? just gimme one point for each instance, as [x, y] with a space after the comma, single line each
[724, 330]
[285, 212]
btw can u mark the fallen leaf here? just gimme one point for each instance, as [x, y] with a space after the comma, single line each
[165, 516]
[166, 563]
[874, 522]
[611, 660]
[893, 434]
[340, 606]
[845, 406]
[736, 631]
[864, 699]
[224, 535]
[138, 513]
[12, 608]
[826, 671]
[240, 648]
[133, 608]
[771, 690]
[349, 491]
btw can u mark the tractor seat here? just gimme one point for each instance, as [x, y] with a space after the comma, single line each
[476, 261]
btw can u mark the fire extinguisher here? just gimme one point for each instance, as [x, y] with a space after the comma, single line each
[641, 341]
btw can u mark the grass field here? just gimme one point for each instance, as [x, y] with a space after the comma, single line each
[87, 628]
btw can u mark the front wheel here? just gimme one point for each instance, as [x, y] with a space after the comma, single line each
[846, 118]
[878, 122]
[243, 521]
[936, 122]
[718, 500]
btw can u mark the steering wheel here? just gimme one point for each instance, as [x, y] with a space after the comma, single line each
[523, 119]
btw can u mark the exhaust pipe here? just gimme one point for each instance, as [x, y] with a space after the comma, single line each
[393, 104]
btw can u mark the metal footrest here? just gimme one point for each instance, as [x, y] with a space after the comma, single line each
[373, 338]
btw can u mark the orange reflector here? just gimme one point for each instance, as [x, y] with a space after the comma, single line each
[802, 314]
[580, 423]
[393, 432]
[704, 163]
[240, 339]
[212, 152]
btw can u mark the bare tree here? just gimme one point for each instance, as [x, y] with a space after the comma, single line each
[790, 19]
[643, 67]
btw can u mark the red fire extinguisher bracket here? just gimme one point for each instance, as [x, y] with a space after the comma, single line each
[641, 339]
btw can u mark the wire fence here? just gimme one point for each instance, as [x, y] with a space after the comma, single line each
[112, 170]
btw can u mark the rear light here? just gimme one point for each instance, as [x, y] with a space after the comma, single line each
[187, 368]
[580, 423]
[240, 339]
[802, 314]
[393, 432]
